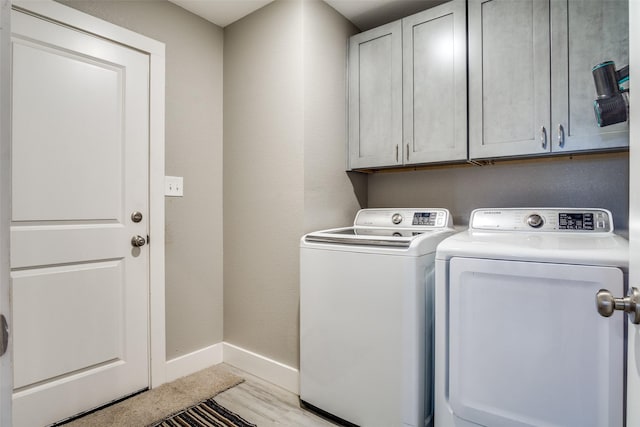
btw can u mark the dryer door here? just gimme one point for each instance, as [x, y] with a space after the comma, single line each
[527, 347]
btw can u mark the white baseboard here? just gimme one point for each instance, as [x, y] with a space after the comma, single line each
[194, 362]
[262, 367]
[270, 370]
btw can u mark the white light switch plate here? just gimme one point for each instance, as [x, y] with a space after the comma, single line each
[173, 186]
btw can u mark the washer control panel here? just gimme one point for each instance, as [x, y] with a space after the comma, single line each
[404, 218]
[543, 219]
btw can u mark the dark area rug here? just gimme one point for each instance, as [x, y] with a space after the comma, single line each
[205, 414]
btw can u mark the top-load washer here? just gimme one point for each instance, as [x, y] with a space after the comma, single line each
[366, 314]
[519, 341]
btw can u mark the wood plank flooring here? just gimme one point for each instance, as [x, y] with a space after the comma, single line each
[266, 405]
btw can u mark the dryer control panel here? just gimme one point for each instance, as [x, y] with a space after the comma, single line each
[543, 219]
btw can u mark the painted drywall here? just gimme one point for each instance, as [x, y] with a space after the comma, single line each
[598, 181]
[331, 196]
[284, 162]
[263, 179]
[194, 94]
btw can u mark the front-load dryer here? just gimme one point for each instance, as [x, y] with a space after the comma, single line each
[366, 317]
[519, 341]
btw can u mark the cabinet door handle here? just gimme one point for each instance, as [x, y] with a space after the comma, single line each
[407, 152]
[397, 158]
[543, 137]
[560, 135]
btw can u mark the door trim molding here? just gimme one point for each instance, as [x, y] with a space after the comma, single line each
[156, 51]
[6, 361]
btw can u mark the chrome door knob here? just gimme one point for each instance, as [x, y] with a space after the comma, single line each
[607, 304]
[137, 241]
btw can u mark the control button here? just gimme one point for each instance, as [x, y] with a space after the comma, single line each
[396, 218]
[600, 224]
[535, 221]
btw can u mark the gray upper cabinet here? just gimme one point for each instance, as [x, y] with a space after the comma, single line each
[375, 97]
[407, 90]
[530, 85]
[509, 83]
[435, 85]
[583, 34]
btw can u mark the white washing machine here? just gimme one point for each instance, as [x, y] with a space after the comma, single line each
[519, 341]
[366, 316]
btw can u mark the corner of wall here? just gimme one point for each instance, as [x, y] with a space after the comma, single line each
[193, 362]
[270, 370]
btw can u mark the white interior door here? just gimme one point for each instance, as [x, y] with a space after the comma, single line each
[80, 147]
[633, 355]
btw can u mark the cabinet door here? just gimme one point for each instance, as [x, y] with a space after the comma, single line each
[585, 33]
[435, 84]
[375, 97]
[509, 83]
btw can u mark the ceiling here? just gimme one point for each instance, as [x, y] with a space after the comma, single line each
[364, 14]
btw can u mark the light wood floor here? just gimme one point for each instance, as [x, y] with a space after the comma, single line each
[266, 405]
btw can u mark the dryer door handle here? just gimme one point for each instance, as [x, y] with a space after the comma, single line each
[607, 304]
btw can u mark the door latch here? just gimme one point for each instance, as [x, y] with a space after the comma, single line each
[4, 339]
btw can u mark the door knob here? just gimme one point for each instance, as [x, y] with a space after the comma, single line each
[137, 241]
[607, 304]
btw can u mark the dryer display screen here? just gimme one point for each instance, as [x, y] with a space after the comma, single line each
[575, 221]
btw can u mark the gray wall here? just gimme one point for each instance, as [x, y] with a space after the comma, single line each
[599, 181]
[194, 238]
[284, 160]
[331, 197]
[264, 179]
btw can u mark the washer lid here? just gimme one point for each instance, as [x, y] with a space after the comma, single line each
[387, 237]
[394, 228]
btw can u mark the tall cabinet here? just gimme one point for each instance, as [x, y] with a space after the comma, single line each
[530, 85]
[408, 90]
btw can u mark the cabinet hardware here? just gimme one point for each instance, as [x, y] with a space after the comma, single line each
[543, 137]
[560, 135]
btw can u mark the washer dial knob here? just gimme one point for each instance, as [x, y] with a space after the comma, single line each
[396, 218]
[535, 221]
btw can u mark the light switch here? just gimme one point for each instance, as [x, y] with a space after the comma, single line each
[173, 186]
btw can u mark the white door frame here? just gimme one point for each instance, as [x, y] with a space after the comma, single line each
[59, 13]
[633, 375]
[6, 361]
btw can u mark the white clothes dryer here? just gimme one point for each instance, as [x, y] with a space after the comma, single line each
[366, 317]
[519, 341]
